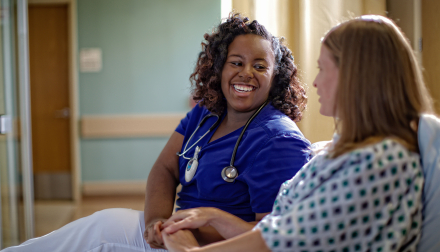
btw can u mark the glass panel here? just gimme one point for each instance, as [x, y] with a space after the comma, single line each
[12, 224]
[3, 152]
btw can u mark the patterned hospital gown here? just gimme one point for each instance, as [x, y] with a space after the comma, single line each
[365, 200]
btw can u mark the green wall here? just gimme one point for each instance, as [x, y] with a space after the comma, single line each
[149, 49]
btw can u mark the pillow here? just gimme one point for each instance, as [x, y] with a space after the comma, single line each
[429, 145]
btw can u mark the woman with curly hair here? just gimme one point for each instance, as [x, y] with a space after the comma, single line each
[233, 149]
[286, 92]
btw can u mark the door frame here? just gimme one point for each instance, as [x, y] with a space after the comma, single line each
[73, 92]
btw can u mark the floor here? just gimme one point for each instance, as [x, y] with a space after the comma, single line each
[51, 215]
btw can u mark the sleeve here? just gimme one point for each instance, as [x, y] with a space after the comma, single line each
[373, 205]
[181, 128]
[190, 117]
[279, 159]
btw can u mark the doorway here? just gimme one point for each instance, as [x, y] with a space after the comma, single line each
[49, 81]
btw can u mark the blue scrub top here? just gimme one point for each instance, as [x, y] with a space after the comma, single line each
[271, 151]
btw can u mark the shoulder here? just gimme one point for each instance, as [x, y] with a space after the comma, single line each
[383, 153]
[197, 114]
[377, 163]
[198, 111]
[389, 160]
[192, 119]
[275, 124]
[388, 150]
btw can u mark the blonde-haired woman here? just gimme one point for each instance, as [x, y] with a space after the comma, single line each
[363, 192]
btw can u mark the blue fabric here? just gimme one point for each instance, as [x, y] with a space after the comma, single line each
[271, 151]
[429, 145]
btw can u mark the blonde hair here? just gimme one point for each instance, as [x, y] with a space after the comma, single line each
[381, 89]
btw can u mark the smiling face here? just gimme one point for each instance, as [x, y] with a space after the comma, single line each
[327, 82]
[248, 73]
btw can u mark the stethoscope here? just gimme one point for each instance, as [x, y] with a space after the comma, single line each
[229, 173]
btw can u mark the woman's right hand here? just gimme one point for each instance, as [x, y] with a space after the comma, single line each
[190, 219]
[153, 234]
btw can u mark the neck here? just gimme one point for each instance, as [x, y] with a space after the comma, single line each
[237, 119]
[232, 121]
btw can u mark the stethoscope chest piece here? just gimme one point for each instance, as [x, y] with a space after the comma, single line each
[229, 173]
[192, 165]
[191, 169]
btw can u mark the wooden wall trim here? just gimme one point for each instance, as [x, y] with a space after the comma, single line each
[98, 188]
[120, 126]
[49, 1]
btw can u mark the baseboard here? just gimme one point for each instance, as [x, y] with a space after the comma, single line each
[96, 188]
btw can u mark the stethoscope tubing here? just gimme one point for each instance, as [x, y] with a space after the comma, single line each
[244, 130]
[185, 150]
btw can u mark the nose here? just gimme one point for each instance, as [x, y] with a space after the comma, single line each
[314, 83]
[246, 72]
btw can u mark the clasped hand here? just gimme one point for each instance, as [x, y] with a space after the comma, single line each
[189, 219]
[153, 234]
[168, 230]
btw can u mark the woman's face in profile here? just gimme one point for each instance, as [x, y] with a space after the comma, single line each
[327, 82]
[248, 73]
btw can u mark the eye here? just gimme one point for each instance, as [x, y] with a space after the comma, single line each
[236, 63]
[260, 67]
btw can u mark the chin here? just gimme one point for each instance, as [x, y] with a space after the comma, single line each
[325, 113]
[242, 109]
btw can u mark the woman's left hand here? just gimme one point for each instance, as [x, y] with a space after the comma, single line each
[180, 241]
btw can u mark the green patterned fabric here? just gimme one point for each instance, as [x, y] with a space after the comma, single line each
[367, 200]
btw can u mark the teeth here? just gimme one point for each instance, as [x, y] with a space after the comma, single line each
[243, 88]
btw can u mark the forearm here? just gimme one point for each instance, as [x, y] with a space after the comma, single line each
[162, 181]
[159, 196]
[208, 235]
[249, 241]
[228, 225]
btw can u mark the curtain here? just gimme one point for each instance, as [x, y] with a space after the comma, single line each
[303, 23]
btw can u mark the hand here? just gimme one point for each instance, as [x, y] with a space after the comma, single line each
[189, 219]
[180, 241]
[153, 234]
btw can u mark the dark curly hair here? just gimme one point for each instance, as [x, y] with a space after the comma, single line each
[286, 94]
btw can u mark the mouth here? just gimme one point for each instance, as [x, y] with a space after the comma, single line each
[241, 88]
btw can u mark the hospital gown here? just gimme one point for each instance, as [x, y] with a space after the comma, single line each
[369, 199]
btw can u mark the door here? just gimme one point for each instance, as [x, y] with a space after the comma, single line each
[48, 50]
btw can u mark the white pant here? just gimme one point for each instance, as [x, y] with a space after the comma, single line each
[114, 230]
